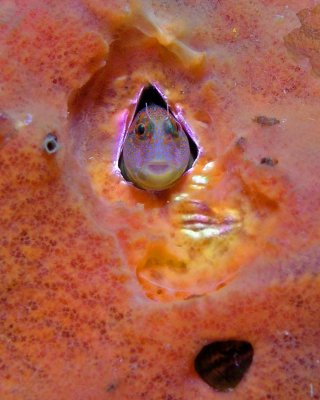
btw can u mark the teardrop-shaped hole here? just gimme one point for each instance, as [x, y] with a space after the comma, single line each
[150, 95]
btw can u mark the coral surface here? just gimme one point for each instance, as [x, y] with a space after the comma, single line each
[108, 291]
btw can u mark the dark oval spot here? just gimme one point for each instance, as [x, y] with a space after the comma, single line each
[50, 144]
[140, 129]
[271, 162]
[266, 121]
[223, 364]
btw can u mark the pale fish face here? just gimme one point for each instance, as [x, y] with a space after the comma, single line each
[156, 151]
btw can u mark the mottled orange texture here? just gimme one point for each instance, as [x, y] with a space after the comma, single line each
[53, 55]
[110, 292]
[305, 41]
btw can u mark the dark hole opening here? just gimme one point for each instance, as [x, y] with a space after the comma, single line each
[223, 364]
[50, 143]
[271, 162]
[266, 121]
[150, 95]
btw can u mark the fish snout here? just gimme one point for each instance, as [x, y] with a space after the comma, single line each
[157, 175]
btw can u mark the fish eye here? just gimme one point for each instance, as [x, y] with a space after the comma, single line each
[171, 128]
[140, 130]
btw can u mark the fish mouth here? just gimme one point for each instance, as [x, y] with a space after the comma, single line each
[159, 167]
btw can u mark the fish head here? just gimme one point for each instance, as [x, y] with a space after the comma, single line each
[156, 151]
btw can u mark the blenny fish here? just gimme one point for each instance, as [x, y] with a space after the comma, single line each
[135, 268]
[156, 151]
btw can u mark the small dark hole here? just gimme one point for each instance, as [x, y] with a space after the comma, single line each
[223, 364]
[266, 121]
[271, 162]
[50, 144]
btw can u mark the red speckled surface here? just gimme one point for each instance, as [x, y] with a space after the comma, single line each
[83, 316]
